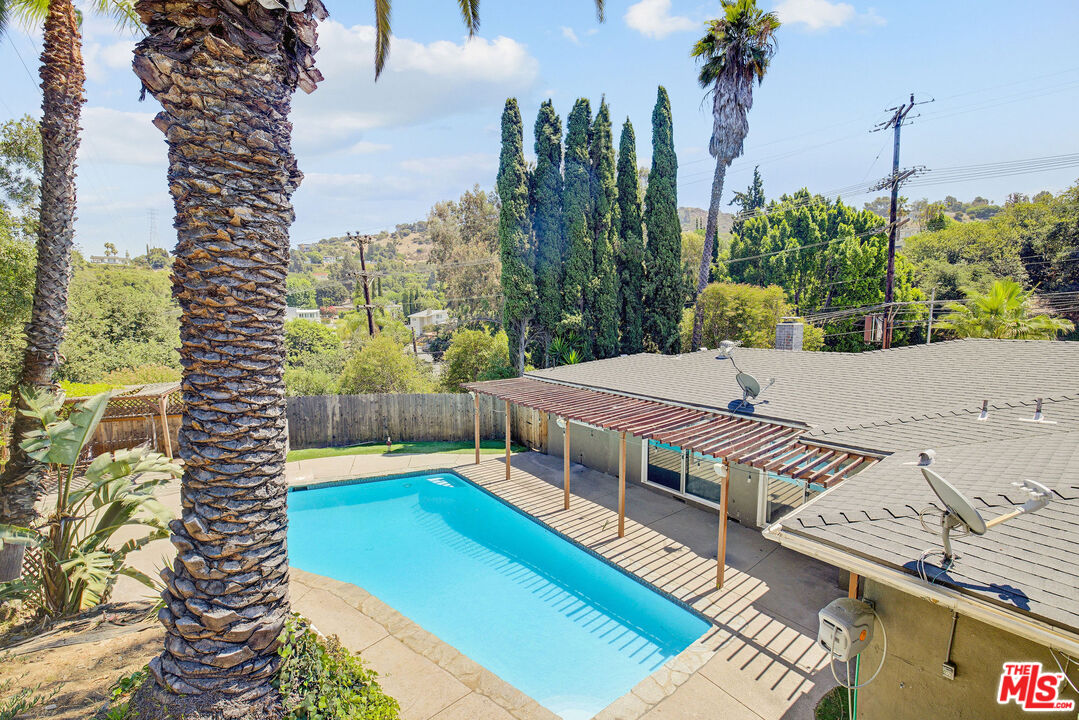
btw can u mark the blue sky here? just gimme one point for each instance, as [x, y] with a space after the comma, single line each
[1005, 77]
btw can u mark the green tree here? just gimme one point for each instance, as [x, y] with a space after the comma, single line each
[630, 245]
[347, 272]
[20, 166]
[603, 308]
[300, 292]
[664, 297]
[307, 336]
[464, 238]
[232, 295]
[475, 355]
[747, 314]
[515, 236]
[546, 204]
[62, 80]
[330, 292]
[1004, 313]
[824, 254]
[120, 317]
[748, 201]
[735, 51]
[576, 211]
[382, 366]
[16, 297]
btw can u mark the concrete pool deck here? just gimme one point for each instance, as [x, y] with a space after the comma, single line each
[758, 661]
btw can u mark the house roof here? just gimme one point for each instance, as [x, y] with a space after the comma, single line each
[901, 401]
[834, 392]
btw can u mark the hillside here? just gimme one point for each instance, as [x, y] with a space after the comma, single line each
[693, 218]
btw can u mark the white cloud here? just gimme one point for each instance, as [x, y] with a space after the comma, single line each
[122, 138]
[366, 147]
[823, 15]
[567, 32]
[652, 18]
[101, 59]
[421, 83]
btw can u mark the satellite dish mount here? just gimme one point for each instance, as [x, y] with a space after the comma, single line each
[751, 387]
[959, 512]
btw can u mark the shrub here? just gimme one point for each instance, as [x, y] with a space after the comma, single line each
[475, 355]
[382, 366]
[322, 680]
[78, 563]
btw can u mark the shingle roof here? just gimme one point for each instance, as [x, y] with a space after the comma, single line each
[1026, 564]
[901, 401]
[841, 390]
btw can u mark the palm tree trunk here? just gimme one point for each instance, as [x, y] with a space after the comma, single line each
[224, 74]
[62, 77]
[706, 254]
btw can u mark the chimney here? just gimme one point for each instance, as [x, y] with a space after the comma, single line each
[789, 334]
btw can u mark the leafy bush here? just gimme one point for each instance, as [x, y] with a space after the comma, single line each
[475, 355]
[78, 565]
[382, 366]
[321, 680]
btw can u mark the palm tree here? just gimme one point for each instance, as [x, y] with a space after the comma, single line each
[224, 72]
[735, 51]
[62, 78]
[1002, 313]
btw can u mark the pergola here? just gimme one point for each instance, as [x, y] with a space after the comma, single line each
[143, 401]
[779, 449]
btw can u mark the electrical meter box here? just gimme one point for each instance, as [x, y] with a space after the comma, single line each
[846, 627]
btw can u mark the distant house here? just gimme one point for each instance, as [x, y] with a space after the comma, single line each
[109, 260]
[426, 319]
[294, 313]
[394, 310]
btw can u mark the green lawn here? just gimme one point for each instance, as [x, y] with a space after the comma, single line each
[487, 447]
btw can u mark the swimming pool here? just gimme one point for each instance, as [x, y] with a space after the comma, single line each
[561, 625]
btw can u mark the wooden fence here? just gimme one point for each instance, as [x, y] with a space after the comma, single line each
[336, 420]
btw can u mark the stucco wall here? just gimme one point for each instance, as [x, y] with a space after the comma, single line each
[597, 449]
[911, 685]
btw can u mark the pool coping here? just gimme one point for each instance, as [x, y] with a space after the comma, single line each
[641, 698]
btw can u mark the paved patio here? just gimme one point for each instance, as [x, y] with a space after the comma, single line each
[758, 661]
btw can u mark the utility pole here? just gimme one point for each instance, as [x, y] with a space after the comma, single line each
[362, 241]
[899, 114]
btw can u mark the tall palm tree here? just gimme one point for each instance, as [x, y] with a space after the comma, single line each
[224, 72]
[736, 50]
[1004, 313]
[62, 78]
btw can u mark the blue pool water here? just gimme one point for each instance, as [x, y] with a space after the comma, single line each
[561, 625]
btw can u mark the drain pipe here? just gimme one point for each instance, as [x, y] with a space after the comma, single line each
[1033, 630]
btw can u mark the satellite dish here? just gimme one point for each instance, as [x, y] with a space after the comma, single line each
[960, 513]
[750, 387]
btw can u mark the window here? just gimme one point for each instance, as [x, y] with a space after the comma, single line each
[665, 466]
[701, 479]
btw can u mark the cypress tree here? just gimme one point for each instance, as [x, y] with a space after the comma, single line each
[576, 211]
[603, 308]
[546, 203]
[630, 244]
[514, 233]
[664, 292]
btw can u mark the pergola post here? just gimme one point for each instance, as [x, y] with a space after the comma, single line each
[509, 420]
[476, 403]
[565, 467]
[721, 554]
[622, 485]
[852, 586]
[162, 405]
